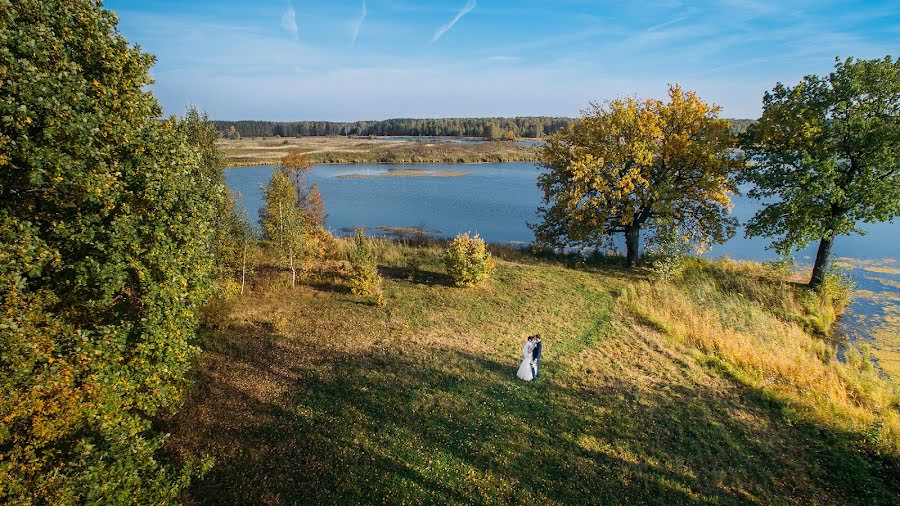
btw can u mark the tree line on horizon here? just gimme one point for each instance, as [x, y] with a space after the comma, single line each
[489, 128]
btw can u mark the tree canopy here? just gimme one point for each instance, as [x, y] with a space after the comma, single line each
[105, 226]
[632, 164]
[826, 153]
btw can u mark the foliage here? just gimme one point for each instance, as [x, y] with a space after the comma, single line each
[283, 223]
[467, 260]
[454, 127]
[639, 164]
[492, 131]
[364, 279]
[669, 253]
[825, 154]
[105, 218]
[530, 127]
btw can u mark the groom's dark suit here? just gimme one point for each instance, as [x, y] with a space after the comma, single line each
[535, 357]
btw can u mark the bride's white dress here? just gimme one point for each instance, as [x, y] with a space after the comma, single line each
[524, 372]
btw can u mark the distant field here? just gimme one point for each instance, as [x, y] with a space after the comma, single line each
[269, 150]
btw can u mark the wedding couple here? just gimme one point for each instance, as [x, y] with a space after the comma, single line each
[531, 358]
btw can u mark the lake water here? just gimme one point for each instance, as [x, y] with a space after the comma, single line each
[498, 200]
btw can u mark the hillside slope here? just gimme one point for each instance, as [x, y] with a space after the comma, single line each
[311, 396]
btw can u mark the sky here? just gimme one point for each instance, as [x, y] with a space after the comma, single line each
[351, 60]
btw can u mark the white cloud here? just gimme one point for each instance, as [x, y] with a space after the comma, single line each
[469, 7]
[359, 22]
[289, 21]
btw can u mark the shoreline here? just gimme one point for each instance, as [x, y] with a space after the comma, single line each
[382, 150]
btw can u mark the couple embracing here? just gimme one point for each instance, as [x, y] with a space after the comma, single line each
[531, 358]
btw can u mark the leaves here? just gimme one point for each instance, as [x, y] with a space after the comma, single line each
[106, 217]
[633, 163]
[467, 260]
[826, 153]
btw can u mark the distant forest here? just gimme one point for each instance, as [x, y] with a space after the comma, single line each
[537, 126]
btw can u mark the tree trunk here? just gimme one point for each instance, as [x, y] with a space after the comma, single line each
[243, 269]
[632, 245]
[818, 273]
[293, 271]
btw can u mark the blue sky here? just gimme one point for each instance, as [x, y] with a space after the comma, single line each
[376, 59]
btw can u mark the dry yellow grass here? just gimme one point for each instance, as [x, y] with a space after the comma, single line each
[268, 151]
[742, 328]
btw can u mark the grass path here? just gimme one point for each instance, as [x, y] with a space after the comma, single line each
[309, 396]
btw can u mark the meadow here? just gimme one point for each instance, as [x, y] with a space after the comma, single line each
[719, 387]
[334, 149]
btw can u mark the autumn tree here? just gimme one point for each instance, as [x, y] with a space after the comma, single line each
[283, 222]
[105, 226]
[294, 216]
[826, 155]
[492, 131]
[632, 165]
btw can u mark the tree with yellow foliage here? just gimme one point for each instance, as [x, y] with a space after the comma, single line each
[639, 164]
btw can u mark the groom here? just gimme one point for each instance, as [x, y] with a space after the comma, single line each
[536, 356]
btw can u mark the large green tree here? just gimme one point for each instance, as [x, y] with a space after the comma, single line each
[105, 233]
[634, 165]
[826, 154]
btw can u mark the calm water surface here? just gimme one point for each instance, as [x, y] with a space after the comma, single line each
[498, 200]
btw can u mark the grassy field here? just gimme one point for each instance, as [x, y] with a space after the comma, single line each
[267, 151]
[714, 388]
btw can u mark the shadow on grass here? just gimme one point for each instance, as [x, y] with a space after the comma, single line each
[416, 276]
[293, 422]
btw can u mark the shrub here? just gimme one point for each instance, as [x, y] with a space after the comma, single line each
[669, 253]
[364, 278]
[467, 260]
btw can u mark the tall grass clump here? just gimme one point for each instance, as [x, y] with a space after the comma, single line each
[364, 279]
[747, 317]
[467, 260]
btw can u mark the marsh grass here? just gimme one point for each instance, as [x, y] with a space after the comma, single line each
[767, 331]
[268, 151]
[649, 393]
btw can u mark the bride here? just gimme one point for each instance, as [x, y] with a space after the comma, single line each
[525, 372]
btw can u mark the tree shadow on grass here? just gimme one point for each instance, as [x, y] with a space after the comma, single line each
[415, 276]
[292, 422]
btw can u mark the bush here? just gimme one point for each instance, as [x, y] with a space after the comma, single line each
[467, 260]
[669, 253]
[364, 278]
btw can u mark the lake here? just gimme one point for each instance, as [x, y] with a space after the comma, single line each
[498, 200]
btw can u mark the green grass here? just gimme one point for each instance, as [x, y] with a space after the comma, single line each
[313, 396]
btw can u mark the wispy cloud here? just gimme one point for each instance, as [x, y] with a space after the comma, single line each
[470, 5]
[359, 22]
[667, 23]
[499, 58]
[289, 21]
